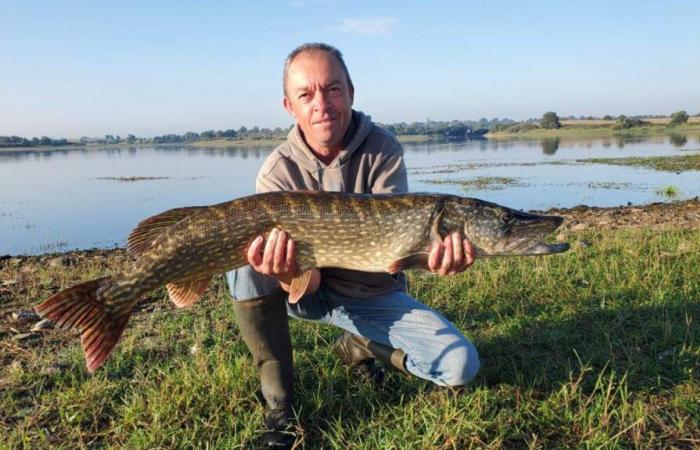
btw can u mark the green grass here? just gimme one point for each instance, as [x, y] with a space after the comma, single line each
[595, 348]
[678, 163]
[669, 191]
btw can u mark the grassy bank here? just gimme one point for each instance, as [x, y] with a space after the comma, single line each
[593, 131]
[595, 348]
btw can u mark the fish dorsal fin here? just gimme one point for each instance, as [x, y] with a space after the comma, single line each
[299, 285]
[185, 293]
[142, 237]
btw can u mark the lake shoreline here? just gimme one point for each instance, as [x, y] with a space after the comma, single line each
[214, 144]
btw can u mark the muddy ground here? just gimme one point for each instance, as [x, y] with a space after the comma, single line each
[681, 215]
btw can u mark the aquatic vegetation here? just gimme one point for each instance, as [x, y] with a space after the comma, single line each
[665, 163]
[479, 183]
[131, 179]
[668, 191]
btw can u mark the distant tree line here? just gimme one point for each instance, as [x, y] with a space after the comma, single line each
[454, 129]
[214, 135]
[449, 129]
[16, 141]
[550, 120]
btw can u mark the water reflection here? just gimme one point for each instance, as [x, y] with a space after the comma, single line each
[550, 145]
[678, 140]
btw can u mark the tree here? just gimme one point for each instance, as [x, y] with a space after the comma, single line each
[607, 117]
[191, 136]
[679, 117]
[550, 120]
[130, 138]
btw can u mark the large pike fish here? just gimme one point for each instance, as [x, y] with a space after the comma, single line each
[184, 248]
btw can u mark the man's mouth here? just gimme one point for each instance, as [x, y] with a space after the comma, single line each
[326, 121]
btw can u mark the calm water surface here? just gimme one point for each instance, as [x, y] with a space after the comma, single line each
[56, 201]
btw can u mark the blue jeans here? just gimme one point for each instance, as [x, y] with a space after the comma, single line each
[435, 349]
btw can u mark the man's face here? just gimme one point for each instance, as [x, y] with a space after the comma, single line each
[319, 98]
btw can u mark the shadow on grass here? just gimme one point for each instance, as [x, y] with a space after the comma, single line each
[645, 342]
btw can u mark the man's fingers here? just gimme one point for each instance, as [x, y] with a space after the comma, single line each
[435, 256]
[253, 255]
[447, 259]
[280, 257]
[269, 253]
[291, 263]
[469, 254]
[457, 253]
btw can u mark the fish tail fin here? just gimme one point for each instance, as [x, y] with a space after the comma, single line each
[81, 307]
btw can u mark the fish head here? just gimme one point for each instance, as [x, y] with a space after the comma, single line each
[496, 230]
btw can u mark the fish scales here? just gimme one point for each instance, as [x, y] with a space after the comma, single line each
[184, 247]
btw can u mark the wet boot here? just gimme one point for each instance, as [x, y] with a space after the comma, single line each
[361, 354]
[264, 326]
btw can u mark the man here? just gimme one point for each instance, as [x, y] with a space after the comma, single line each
[334, 148]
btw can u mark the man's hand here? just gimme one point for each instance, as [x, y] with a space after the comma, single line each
[451, 256]
[276, 257]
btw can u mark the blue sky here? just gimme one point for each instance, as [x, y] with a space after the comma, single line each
[71, 69]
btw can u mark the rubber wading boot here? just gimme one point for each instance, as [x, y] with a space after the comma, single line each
[264, 326]
[360, 354]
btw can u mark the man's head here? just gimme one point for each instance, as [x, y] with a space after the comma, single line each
[318, 93]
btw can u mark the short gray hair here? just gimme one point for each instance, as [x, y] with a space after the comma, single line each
[313, 47]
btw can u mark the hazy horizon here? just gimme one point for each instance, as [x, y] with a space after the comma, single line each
[82, 69]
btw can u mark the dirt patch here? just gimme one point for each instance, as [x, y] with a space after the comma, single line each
[683, 215]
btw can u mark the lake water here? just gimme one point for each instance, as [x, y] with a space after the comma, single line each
[65, 200]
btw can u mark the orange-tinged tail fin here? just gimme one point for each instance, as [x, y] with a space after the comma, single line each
[80, 307]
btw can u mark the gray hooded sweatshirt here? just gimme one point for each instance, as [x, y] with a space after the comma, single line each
[371, 163]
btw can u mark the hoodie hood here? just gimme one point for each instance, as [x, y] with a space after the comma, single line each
[330, 177]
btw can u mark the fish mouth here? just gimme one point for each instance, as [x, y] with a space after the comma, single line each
[529, 234]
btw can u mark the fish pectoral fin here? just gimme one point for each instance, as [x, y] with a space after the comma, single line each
[414, 261]
[185, 293]
[298, 286]
[142, 237]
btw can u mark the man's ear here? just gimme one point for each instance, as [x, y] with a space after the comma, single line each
[351, 88]
[288, 106]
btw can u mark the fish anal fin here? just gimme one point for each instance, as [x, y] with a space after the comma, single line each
[298, 286]
[185, 293]
[414, 261]
[142, 237]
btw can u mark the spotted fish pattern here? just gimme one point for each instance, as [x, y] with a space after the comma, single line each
[184, 248]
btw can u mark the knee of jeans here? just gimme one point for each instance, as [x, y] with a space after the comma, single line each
[462, 365]
[245, 284]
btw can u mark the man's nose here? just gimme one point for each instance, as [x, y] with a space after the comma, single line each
[320, 101]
